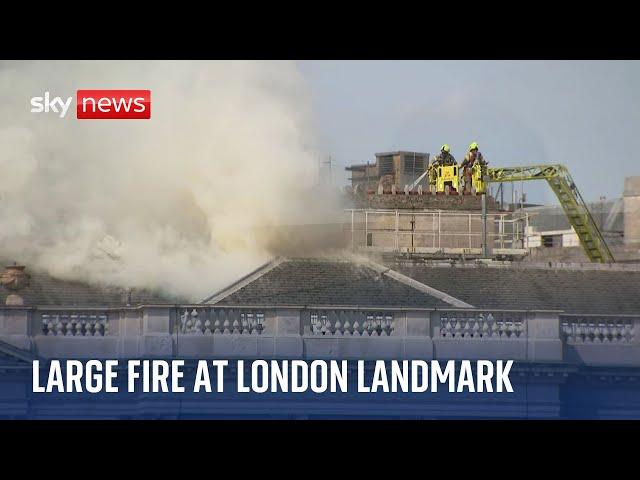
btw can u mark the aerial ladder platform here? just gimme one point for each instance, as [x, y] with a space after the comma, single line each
[574, 207]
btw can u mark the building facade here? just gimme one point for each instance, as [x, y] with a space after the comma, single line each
[571, 329]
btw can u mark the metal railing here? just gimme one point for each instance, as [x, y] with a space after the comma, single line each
[396, 230]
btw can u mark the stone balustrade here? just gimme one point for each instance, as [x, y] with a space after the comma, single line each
[601, 340]
[483, 325]
[212, 331]
[598, 329]
[209, 321]
[350, 323]
[81, 324]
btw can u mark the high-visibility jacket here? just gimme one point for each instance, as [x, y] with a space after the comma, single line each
[444, 158]
[472, 157]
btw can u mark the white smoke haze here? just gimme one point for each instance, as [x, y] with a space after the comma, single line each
[171, 202]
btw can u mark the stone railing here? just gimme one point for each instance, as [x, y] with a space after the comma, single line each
[482, 325]
[598, 329]
[75, 324]
[601, 340]
[210, 321]
[269, 331]
[494, 334]
[356, 323]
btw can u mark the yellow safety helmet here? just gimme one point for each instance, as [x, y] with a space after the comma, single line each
[473, 146]
[445, 148]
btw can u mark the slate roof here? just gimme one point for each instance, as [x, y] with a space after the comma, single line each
[338, 281]
[329, 282]
[45, 290]
[574, 289]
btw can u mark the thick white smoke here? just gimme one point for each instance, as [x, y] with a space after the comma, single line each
[170, 202]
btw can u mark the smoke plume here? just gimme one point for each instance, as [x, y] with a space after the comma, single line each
[176, 202]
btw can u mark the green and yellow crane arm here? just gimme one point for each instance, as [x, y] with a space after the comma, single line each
[574, 207]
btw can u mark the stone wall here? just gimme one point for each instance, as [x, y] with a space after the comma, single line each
[197, 331]
[429, 201]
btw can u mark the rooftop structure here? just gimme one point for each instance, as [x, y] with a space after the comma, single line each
[390, 168]
[591, 230]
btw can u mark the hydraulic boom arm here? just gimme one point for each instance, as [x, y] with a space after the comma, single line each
[572, 203]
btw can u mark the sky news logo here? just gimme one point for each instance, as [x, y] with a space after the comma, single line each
[98, 104]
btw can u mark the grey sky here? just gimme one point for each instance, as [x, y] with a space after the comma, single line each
[583, 114]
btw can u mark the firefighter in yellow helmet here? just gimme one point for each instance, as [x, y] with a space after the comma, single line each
[444, 157]
[472, 157]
